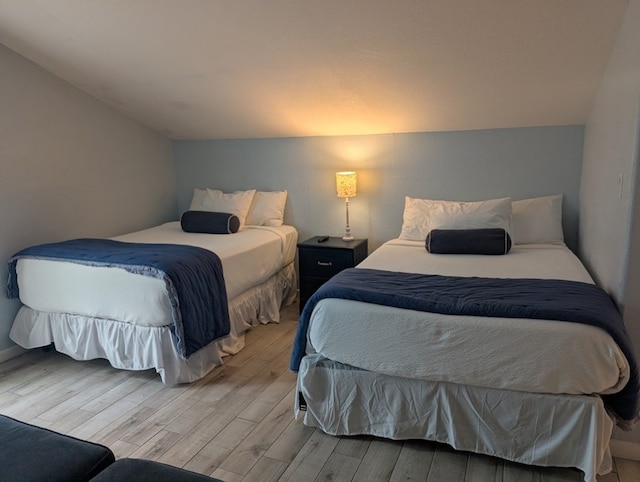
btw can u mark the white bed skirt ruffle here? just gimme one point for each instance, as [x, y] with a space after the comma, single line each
[133, 347]
[530, 428]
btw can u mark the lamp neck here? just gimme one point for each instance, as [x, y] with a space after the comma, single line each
[347, 234]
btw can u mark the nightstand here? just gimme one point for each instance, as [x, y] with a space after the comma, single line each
[320, 261]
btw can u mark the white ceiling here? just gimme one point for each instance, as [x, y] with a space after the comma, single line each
[214, 69]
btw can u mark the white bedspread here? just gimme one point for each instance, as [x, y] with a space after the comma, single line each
[249, 258]
[516, 354]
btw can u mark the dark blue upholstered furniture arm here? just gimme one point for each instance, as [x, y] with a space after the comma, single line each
[138, 470]
[30, 453]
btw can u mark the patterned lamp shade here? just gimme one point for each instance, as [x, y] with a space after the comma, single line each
[346, 184]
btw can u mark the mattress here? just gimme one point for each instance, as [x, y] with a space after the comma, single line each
[249, 258]
[539, 356]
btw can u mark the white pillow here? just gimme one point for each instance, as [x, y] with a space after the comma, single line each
[538, 220]
[237, 203]
[267, 208]
[415, 219]
[422, 215]
[196, 200]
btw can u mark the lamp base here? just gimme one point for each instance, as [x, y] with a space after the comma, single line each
[348, 238]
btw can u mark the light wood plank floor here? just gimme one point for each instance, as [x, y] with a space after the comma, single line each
[235, 424]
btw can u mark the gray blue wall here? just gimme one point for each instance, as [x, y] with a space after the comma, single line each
[610, 213]
[71, 167]
[466, 165]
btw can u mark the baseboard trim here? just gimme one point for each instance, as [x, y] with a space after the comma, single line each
[625, 450]
[11, 352]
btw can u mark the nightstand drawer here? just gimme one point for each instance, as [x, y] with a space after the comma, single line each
[324, 263]
[319, 261]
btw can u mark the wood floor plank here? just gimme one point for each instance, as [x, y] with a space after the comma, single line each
[146, 390]
[115, 394]
[7, 399]
[287, 446]
[224, 382]
[279, 386]
[268, 374]
[192, 443]
[553, 474]
[157, 445]
[39, 395]
[414, 461]
[207, 464]
[34, 367]
[159, 420]
[234, 433]
[353, 446]
[165, 395]
[339, 467]
[379, 461]
[229, 384]
[30, 361]
[260, 439]
[480, 468]
[122, 449]
[103, 419]
[28, 408]
[448, 464]
[227, 476]
[68, 423]
[189, 446]
[513, 472]
[256, 410]
[65, 368]
[190, 419]
[250, 351]
[280, 345]
[311, 458]
[95, 386]
[209, 458]
[266, 470]
[128, 422]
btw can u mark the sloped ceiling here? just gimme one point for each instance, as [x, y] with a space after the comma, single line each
[214, 69]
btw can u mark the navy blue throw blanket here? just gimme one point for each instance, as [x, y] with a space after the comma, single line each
[570, 301]
[193, 277]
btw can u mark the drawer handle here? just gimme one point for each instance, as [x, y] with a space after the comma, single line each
[325, 263]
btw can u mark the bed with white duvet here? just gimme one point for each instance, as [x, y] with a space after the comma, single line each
[90, 312]
[527, 390]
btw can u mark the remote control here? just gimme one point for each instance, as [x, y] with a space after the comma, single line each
[322, 239]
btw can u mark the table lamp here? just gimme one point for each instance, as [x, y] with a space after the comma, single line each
[346, 187]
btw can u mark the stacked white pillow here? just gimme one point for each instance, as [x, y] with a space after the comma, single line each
[538, 220]
[253, 208]
[529, 221]
[422, 215]
[267, 208]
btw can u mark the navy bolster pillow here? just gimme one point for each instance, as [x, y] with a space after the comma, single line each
[209, 222]
[468, 241]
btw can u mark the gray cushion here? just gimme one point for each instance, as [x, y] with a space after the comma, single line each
[30, 453]
[138, 470]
